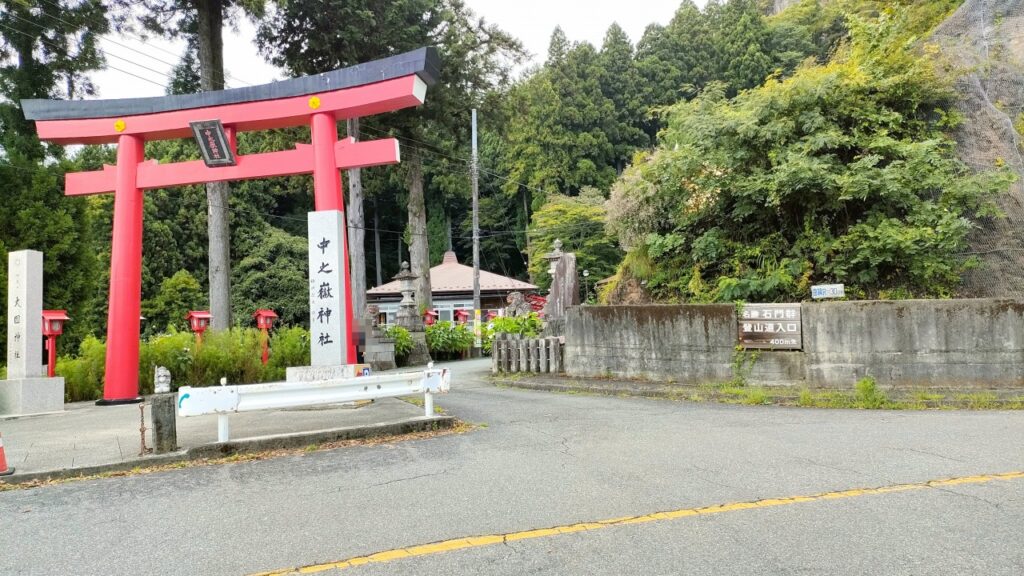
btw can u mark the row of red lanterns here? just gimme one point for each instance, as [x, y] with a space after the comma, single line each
[199, 321]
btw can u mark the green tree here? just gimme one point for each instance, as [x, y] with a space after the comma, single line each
[201, 22]
[579, 222]
[177, 296]
[47, 49]
[621, 84]
[841, 173]
[273, 274]
[476, 56]
[561, 139]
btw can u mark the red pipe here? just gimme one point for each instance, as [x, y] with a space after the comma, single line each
[122, 362]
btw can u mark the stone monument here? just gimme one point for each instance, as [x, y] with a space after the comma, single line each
[327, 288]
[27, 390]
[565, 288]
[379, 350]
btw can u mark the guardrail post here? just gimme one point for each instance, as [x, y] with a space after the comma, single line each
[428, 404]
[222, 428]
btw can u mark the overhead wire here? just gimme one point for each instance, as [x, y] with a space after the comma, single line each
[108, 37]
[111, 66]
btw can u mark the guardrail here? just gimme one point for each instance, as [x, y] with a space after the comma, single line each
[223, 400]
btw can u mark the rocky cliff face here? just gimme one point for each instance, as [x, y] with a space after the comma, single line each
[984, 41]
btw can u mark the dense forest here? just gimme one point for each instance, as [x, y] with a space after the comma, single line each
[728, 154]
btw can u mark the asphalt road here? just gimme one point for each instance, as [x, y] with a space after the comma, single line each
[553, 460]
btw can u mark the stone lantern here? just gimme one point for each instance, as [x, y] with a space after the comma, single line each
[554, 257]
[407, 316]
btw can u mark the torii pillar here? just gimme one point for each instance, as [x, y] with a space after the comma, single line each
[317, 101]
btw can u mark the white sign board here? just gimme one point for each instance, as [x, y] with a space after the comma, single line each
[828, 291]
[25, 315]
[327, 288]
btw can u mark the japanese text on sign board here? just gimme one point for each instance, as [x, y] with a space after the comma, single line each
[213, 143]
[771, 327]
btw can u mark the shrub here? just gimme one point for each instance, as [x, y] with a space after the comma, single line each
[172, 351]
[403, 341]
[868, 394]
[83, 375]
[234, 354]
[288, 347]
[447, 340]
[529, 326]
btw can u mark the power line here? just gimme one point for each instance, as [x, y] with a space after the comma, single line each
[108, 38]
[104, 52]
[111, 66]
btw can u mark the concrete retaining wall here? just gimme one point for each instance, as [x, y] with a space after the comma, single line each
[935, 343]
[682, 343]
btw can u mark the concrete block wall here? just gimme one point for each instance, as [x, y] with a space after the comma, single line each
[687, 344]
[915, 342]
[933, 343]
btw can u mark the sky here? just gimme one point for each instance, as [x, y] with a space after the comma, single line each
[144, 66]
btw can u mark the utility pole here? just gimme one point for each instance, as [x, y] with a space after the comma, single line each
[477, 328]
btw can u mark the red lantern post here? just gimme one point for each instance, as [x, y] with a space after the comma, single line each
[265, 321]
[430, 317]
[199, 321]
[53, 326]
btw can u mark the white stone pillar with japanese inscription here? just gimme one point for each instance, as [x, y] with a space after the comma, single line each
[327, 288]
[25, 315]
[27, 390]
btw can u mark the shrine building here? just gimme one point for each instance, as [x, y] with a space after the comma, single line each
[451, 286]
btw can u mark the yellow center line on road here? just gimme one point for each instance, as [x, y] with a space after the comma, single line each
[492, 539]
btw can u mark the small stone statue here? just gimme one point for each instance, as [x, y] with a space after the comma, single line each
[517, 305]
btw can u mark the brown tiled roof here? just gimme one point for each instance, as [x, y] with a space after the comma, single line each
[450, 276]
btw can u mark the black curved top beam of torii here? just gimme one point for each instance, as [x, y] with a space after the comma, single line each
[423, 62]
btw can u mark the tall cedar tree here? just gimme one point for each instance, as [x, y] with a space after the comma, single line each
[202, 23]
[47, 48]
[476, 57]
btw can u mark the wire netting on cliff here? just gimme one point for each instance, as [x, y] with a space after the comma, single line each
[984, 39]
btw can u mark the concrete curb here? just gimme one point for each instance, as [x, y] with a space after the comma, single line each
[662, 391]
[244, 445]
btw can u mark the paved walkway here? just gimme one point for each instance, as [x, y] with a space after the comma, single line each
[88, 435]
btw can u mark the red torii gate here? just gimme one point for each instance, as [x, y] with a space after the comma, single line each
[319, 101]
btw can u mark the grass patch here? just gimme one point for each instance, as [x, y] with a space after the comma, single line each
[869, 396]
[979, 400]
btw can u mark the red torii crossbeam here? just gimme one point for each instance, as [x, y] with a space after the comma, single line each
[318, 101]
